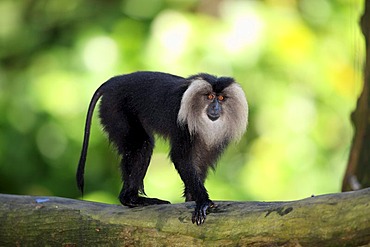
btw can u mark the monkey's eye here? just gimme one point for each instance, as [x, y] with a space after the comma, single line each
[221, 98]
[211, 96]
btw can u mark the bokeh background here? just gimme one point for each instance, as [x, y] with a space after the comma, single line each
[298, 61]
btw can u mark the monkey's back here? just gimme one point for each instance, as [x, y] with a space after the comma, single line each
[151, 99]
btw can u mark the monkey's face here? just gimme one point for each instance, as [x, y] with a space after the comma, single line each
[216, 114]
[214, 108]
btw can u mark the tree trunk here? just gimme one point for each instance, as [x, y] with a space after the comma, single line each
[329, 220]
[358, 169]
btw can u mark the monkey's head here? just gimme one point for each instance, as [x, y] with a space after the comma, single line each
[215, 109]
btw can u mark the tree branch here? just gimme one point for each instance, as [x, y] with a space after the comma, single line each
[341, 219]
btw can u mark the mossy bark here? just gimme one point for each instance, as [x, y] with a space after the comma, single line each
[341, 219]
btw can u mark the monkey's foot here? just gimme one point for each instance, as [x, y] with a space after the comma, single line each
[200, 213]
[143, 201]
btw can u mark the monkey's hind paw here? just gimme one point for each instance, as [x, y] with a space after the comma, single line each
[144, 201]
[154, 201]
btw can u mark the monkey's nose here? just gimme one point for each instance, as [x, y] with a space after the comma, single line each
[214, 110]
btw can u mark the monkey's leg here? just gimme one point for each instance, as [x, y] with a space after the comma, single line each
[202, 173]
[194, 183]
[195, 190]
[137, 150]
[135, 147]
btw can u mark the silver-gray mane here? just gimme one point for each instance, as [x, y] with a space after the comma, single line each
[233, 120]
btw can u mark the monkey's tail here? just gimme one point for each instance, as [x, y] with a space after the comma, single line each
[81, 163]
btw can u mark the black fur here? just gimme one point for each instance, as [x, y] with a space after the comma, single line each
[135, 106]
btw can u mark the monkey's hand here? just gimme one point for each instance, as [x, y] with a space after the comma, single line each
[200, 213]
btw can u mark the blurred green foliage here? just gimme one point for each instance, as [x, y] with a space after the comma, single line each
[299, 62]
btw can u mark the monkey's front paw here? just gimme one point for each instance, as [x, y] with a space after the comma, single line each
[200, 213]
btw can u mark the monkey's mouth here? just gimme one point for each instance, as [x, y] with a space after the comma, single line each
[213, 117]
